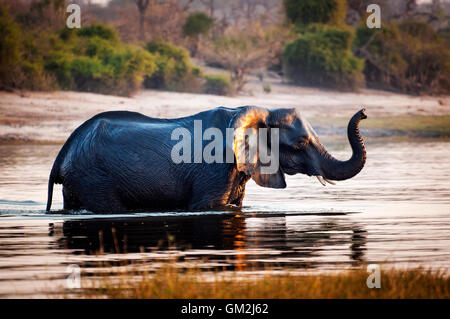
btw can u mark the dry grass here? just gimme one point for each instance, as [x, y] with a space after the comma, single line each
[169, 283]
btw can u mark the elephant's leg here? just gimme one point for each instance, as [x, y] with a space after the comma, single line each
[211, 200]
[209, 197]
[104, 201]
[205, 203]
[71, 201]
[226, 194]
[206, 198]
[96, 196]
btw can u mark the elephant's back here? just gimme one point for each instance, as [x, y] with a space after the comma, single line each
[107, 135]
[122, 141]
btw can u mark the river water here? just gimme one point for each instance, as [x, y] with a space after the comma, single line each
[396, 212]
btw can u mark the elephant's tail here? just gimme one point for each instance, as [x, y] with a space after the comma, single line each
[51, 181]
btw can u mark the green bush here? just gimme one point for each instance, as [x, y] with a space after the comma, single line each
[409, 56]
[305, 12]
[92, 59]
[217, 84]
[174, 70]
[10, 46]
[322, 57]
[21, 63]
[100, 31]
[196, 24]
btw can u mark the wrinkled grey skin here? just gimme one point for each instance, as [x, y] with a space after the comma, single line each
[121, 161]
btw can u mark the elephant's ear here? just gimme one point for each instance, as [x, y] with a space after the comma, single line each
[245, 146]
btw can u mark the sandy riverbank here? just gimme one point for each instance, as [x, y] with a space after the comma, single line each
[52, 116]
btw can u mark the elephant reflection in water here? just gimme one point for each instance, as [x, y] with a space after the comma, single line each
[296, 242]
[233, 240]
[136, 234]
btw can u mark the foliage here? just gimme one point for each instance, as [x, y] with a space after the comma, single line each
[98, 30]
[241, 51]
[196, 24]
[10, 37]
[91, 59]
[305, 12]
[217, 84]
[409, 56]
[322, 57]
[38, 52]
[174, 70]
[20, 66]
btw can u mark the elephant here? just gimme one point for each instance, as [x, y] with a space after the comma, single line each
[121, 161]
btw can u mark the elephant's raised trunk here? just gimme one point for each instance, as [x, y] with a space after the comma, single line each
[334, 169]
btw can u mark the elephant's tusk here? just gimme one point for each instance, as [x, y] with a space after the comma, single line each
[330, 182]
[321, 180]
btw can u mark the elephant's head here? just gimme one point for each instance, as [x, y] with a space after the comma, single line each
[299, 148]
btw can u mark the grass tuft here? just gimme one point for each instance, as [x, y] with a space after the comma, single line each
[170, 282]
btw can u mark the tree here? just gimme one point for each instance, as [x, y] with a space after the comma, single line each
[242, 50]
[304, 12]
[142, 7]
[10, 47]
[409, 56]
[322, 57]
[197, 24]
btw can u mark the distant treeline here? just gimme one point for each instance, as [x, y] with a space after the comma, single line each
[308, 42]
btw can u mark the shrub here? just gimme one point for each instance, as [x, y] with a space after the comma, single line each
[304, 12]
[21, 63]
[92, 59]
[322, 57]
[196, 24]
[10, 45]
[217, 84]
[174, 70]
[89, 59]
[98, 30]
[409, 56]
[59, 65]
[243, 49]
